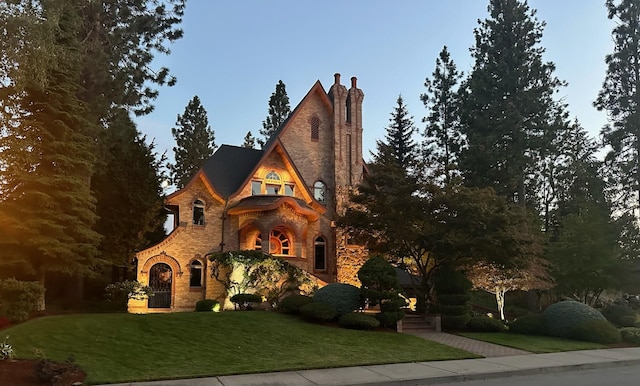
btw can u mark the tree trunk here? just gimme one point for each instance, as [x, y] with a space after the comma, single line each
[41, 280]
[500, 300]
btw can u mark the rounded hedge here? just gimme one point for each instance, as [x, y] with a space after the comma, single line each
[596, 331]
[619, 315]
[207, 305]
[345, 298]
[319, 311]
[562, 318]
[485, 324]
[532, 324]
[630, 334]
[455, 322]
[291, 304]
[358, 321]
[389, 319]
[450, 310]
[453, 299]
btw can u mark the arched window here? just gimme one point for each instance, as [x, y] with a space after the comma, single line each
[279, 243]
[273, 183]
[319, 253]
[198, 212]
[195, 270]
[315, 128]
[319, 190]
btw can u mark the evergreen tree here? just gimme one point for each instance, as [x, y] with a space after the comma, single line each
[195, 142]
[249, 141]
[129, 191]
[507, 101]
[47, 211]
[279, 110]
[620, 98]
[399, 136]
[443, 140]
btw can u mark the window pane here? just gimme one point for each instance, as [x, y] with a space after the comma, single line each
[319, 191]
[256, 187]
[288, 190]
[273, 189]
[196, 274]
[319, 254]
[198, 215]
[273, 176]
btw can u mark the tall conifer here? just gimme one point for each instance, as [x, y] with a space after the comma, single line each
[279, 110]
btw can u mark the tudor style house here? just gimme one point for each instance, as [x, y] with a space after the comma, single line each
[282, 199]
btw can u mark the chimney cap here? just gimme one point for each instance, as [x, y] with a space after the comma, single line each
[354, 80]
[336, 78]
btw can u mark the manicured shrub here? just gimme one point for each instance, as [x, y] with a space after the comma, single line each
[119, 293]
[620, 316]
[459, 322]
[19, 298]
[246, 301]
[393, 305]
[450, 310]
[562, 318]
[291, 304]
[4, 322]
[454, 299]
[389, 319]
[630, 334]
[358, 321]
[207, 305]
[379, 280]
[485, 324]
[596, 331]
[345, 298]
[532, 324]
[319, 311]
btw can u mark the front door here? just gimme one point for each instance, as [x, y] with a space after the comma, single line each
[160, 278]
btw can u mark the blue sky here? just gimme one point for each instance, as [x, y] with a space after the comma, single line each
[234, 52]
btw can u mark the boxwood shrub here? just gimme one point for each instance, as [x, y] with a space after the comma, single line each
[630, 334]
[207, 305]
[562, 318]
[319, 311]
[619, 315]
[389, 319]
[358, 321]
[596, 331]
[485, 324]
[345, 298]
[246, 301]
[532, 324]
[455, 322]
[291, 304]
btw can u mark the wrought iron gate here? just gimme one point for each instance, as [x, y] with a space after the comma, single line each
[160, 278]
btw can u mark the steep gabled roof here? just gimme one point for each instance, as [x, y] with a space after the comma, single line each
[318, 89]
[229, 167]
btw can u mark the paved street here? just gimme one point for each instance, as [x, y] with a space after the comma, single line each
[617, 375]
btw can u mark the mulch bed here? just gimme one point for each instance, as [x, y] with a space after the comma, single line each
[24, 372]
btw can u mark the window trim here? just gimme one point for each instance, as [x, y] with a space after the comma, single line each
[200, 206]
[191, 269]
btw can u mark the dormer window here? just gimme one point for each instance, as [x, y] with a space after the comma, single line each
[319, 191]
[198, 212]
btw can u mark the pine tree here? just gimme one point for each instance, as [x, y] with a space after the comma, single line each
[620, 98]
[443, 140]
[195, 142]
[507, 101]
[279, 110]
[249, 141]
[399, 136]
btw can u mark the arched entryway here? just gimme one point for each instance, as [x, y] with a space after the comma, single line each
[160, 281]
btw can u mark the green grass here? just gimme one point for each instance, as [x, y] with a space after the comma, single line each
[124, 347]
[532, 343]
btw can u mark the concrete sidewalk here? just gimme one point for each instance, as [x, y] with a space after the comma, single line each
[425, 372]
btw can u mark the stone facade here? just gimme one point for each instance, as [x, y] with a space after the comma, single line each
[283, 200]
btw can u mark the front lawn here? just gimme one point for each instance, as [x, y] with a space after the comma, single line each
[532, 343]
[115, 348]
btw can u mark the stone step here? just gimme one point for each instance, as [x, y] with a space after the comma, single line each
[420, 323]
